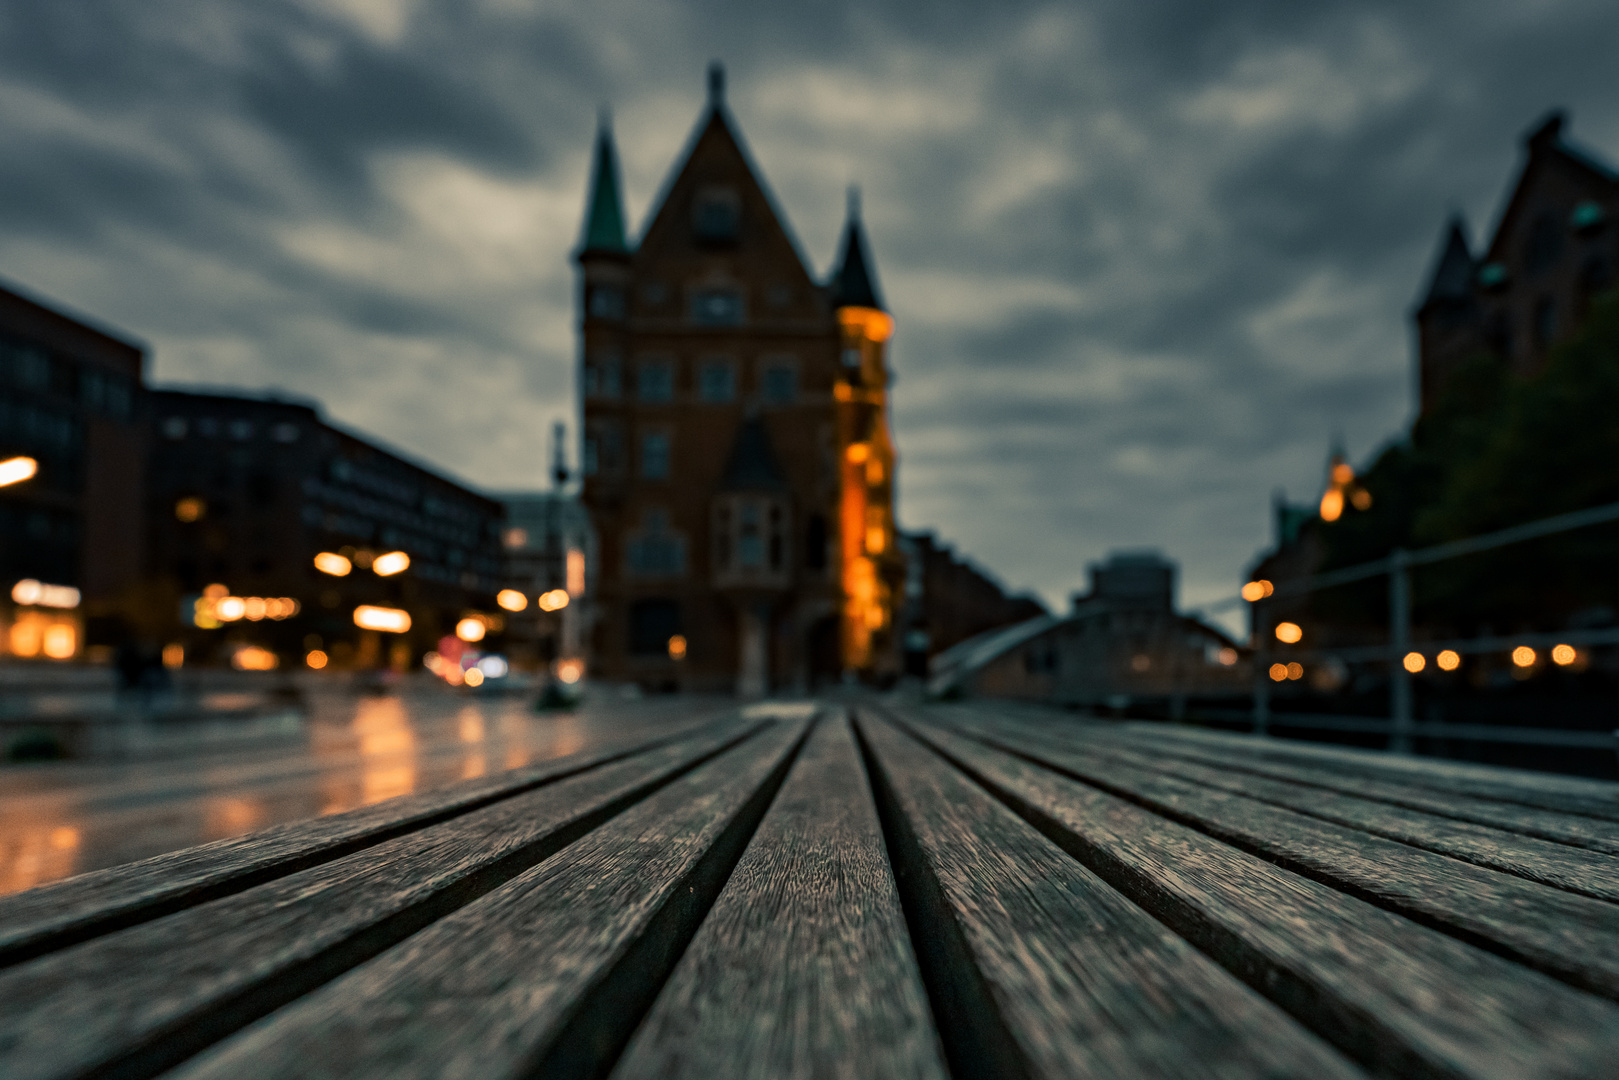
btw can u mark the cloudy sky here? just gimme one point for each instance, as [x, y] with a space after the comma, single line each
[1147, 260]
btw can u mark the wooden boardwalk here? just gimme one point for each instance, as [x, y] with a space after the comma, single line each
[876, 890]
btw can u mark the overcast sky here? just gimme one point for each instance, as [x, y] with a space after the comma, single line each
[1147, 260]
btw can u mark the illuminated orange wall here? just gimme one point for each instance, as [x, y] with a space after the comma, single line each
[866, 508]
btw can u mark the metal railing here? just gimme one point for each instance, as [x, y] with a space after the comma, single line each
[1397, 565]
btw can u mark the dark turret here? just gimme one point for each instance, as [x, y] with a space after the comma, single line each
[855, 283]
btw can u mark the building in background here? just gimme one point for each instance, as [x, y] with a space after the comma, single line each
[1122, 643]
[274, 537]
[550, 552]
[737, 465]
[70, 400]
[1554, 249]
[948, 600]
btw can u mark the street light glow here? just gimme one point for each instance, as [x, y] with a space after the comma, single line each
[1289, 633]
[1564, 655]
[16, 470]
[470, 629]
[511, 600]
[389, 620]
[330, 562]
[1415, 662]
[1523, 656]
[1449, 660]
[555, 600]
[395, 562]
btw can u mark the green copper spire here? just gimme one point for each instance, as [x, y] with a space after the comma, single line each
[604, 222]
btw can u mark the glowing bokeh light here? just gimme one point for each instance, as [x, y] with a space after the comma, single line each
[1278, 672]
[555, 600]
[1564, 655]
[1449, 660]
[254, 658]
[174, 655]
[330, 562]
[1295, 670]
[29, 592]
[494, 667]
[1228, 656]
[473, 677]
[190, 509]
[470, 629]
[1332, 505]
[315, 659]
[230, 608]
[677, 647]
[389, 620]
[1523, 656]
[1289, 632]
[511, 600]
[60, 641]
[16, 470]
[570, 671]
[394, 562]
[1414, 662]
[1253, 591]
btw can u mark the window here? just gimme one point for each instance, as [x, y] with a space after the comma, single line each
[815, 543]
[716, 380]
[592, 457]
[655, 455]
[174, 427]
[778, 381]
[656, 381]
[606, 302]
[603, 449]
[652, 624]
[716, 216]
[750, 539]
[717, 307]
[655, 550]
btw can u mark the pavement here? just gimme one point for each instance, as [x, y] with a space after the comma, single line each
[345, 749]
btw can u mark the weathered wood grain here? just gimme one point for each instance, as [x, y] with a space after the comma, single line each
[1085, 982]
[1572, 937]
[1575, 869]
[1402, 999]
[134, 1001]
[546, 975]
[79, 908]
[803, 969]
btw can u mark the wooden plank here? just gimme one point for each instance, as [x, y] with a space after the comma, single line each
[77, 909]
[1348, 773]
[1572, 937]
[1400, 998]
[132, 1002]
[1562, 866]
[803, 968]
[546, 975]
[1572, 795]
[1077, 980]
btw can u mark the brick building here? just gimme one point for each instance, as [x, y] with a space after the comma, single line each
[1555, 247]
[70, 398]
[738, 466]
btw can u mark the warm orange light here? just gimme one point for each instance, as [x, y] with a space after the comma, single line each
[1449, 660]
[1253, 591]
[511, 600]
[254, 608]
[1228, 656]
[190, 509]
[389, 620]
[30, 593]
[315, 659]
[843, 391]
[1414, 662]
[876, 541]
[16, 470]
[869, 323]
[230, 608]
[1295, 670]
[555, 600]
[1361, 499]
[1332, 505]
[470, 629]
[253, 658]
[473, 677]
[576, 572]
[1342, 473]
[1523, 656]
[214, 592]
[24, 638]
[60, 641]
[1278, 672]
[570, 671]
[1564, 655]
[677, 647]
[1289, 633]
[874, 472]
[330, 562]
[394, 562]
[174, 655]
[858, 452]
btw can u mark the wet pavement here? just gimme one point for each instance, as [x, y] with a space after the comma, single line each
[63, 818]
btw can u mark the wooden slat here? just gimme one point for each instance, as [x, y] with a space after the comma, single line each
[803, 968]
[1402, 999]
[1082, 981]
[142, 998]
[1573, 937]
[1441, 780]
[546, 975]
[79, 908]
[1562, 866]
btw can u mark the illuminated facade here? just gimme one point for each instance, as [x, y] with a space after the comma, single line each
[737, 462]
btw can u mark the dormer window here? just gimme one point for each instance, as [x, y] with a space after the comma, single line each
[717, 307]
[750, 540]
[716, 216]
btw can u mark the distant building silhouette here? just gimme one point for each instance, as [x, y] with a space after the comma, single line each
[948, 600]
[1555, 247]
[737, 460]
[70, 398]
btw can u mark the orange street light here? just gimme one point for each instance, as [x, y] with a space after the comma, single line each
[16, 470]
[1289, 633]
[511, 600]
[394, 562]
[470, 629]
[1449, 660]
[330, 562]
[390, 620]
[1414, 662]
[555, 600]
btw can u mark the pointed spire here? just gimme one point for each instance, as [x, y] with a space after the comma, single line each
[855, 283]
[1454, 269]
[604, 219]
[716, 84]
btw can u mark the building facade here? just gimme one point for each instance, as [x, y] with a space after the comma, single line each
[948, 600]
[550, 552]
[70, 400]
[253, 497]
[1555, 248]
[737, 461]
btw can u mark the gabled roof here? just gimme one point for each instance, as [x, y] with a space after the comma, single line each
[855, 283]
[604, 218]
[752, 465]
[1452, 279]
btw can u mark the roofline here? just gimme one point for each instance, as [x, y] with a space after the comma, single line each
[87, 322]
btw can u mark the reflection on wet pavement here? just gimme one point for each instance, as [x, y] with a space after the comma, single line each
[64, 818]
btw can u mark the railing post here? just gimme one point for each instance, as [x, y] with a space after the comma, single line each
[1399, 644]
[1261, 631]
